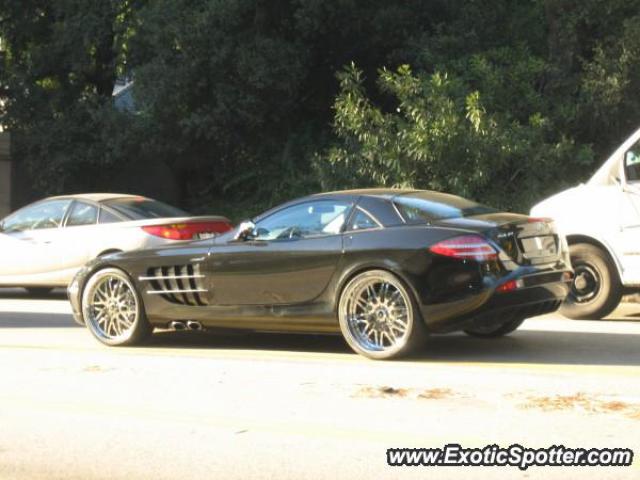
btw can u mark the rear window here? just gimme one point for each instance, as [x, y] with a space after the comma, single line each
[424, 207]
[143, 208]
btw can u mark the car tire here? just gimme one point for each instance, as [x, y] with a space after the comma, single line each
[113, 310]
[379, 317]
[496, 331]
[596, 290]
[38, 291]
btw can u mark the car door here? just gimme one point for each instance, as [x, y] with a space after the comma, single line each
[29, 250]
[80, 236]
[290, 259]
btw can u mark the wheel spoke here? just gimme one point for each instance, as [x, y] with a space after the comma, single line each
[393, 329]
[116, 325]
[368, 329]
[118, 291]
[392, 335]
[395, 296]
[108, 287]
[399, 323]
[100, 293]
[108, 326]
[125, 320]
[371, 293]
[375, 338]
[100, 316]
[362, 303]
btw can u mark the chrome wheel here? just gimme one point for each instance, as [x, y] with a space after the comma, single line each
[376, 314]
[110, 306]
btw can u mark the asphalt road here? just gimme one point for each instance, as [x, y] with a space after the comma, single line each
[211, 406]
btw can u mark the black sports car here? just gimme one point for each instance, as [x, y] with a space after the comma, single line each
[385, 267]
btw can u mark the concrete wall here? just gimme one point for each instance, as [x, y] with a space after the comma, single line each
[5, 174]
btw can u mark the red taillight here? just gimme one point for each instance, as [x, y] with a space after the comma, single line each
[539, 220]
[187, 231]
[510, 286]
[466, 247]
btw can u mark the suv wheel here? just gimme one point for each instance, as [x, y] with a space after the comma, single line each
[596, 289]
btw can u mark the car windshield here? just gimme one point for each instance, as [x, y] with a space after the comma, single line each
[143, 208]
[424, 207]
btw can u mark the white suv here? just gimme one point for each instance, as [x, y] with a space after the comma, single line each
[601, 220]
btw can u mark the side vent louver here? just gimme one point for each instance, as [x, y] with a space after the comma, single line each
[181, 284]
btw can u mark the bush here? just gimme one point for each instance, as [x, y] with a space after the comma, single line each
[438, 135]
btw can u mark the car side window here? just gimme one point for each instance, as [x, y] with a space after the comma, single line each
[107, 217]
[363, 221]
[632, 163]
[48, 214]
[82, 214]
[306, 220]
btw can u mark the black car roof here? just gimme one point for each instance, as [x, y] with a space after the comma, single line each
[352, 195]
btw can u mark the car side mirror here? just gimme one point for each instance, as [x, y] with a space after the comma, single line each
[245, 231]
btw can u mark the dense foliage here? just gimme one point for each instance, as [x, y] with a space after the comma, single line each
[248, 102]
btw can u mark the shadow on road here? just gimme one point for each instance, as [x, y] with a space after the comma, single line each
[552, 347]
[22, 294]
[632, 317]
[36, 320]
[539, 347]
[525, 346]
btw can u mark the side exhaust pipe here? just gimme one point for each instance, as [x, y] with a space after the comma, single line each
[193, 325]
[177, 326]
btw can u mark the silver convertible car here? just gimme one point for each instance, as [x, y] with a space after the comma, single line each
[44, 244]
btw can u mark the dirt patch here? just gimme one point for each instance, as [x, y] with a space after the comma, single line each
[635, 414]
[560, 402]
[588, 403]
[437, 394]
[382, 392]
[615, 406]
[95, 369]
[392, 392]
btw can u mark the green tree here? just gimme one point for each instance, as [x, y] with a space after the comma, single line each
[511, 100]
[60, 65]
[238, 93]
[441, 137]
